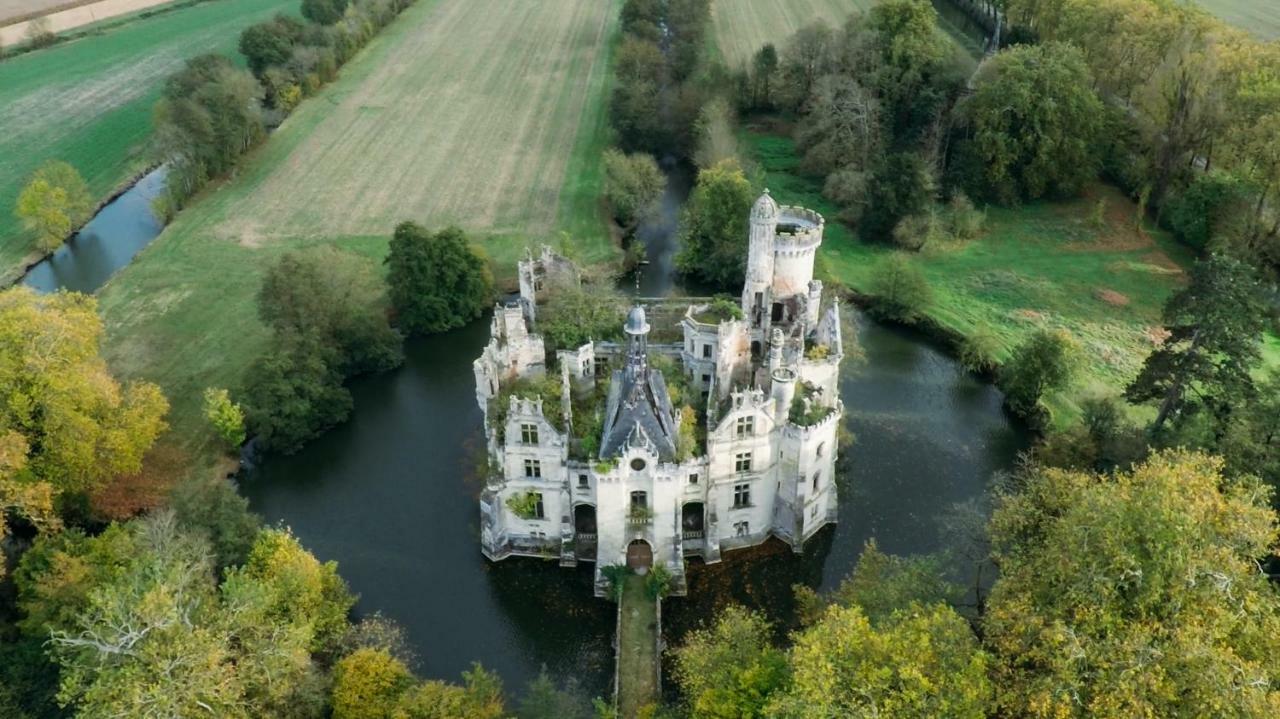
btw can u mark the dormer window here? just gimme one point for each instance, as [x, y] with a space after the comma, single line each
[742, 462]
[529, 433]
[745, 427]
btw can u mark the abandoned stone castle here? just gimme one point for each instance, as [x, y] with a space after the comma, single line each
[605, 467]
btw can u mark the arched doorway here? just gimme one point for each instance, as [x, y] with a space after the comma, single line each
[639, 556]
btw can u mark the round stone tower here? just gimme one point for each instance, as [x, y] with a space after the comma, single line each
[764, 228]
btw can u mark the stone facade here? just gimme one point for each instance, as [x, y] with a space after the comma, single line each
[769, 385]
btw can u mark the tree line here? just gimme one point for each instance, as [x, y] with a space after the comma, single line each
[211, 112]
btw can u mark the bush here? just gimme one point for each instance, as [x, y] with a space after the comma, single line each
[916, 232]
[226, 416]
[1198, 213]
[900, 187]
[964, 221]
[901, 292]
[615, 575]
[1043, 363]
[658, 582]
[324, 12]
[438, 281]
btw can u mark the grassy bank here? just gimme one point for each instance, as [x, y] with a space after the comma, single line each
[88, 101]
[462, 111]
[1042, 264]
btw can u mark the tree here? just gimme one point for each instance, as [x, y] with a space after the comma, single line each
[438, 282]
[717, 140]
[323, 12]
[21, 496]
[226, 416]
[842, 128]
[920, 662]
[764, 71]
[901, 292]
[633, 184]
[367, 684]
[713, 230]
[270, 43]
[140, 628]
[80, 426]
[1034, 120]
[730, 669]
[480, 698]
[294, 394]
[901, 186]
[213, 508]
[1044, 362]
[544, 700]
[54, 204]
[336, 298]
[1134, 594]
[805, 58]
[1199, 213]
[574, 315]
[881, 585]
[1215, 328]
[909, 51]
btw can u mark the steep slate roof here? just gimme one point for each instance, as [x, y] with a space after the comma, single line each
[642, 402]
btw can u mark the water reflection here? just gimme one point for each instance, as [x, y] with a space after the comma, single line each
[107, 243]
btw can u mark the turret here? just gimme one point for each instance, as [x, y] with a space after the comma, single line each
[755, 291]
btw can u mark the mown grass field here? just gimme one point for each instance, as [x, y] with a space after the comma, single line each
[1260, 17]
[741, 27]
[1041, 265]
[487, 113]
[89, 101]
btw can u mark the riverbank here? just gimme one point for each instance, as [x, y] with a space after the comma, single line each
[89, 101]
[1039, 265]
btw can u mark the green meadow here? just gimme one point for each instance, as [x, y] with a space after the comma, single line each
[88, 101]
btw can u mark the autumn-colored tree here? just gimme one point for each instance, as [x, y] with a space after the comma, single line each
[54, 203]
[368, 684]
[21, 494]
[226, 417]
[730, 669]
[921, 662]
[1135, 594]
[81, 426]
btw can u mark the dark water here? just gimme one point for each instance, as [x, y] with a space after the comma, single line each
[391, 497]
[658, 276]
[107, 243]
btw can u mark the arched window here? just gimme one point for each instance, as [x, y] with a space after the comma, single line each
[822, 446]
[816, 476]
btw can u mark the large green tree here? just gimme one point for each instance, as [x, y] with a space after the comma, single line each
[438, 281]
[1034, 121]
[731, 669]
[54, 203]
[713, 231]
[1215, 327]
[1044, 362]
[633, 184]
[1136, 594]
[336, 298]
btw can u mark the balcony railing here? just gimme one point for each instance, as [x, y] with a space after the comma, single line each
[634, 520]
[693, 534]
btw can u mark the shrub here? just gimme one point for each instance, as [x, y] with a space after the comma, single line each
[979, 350]
[1045, 362]
[523, 504]
[633, 185]
[1197, 214]
[964, 221]
[657, 584]
[914, 233]
[226, 416]
[615, 575]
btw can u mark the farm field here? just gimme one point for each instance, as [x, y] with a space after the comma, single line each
[741, 27]
[485, 113]
[1040, 265]
[89, 101]
[1260, 17]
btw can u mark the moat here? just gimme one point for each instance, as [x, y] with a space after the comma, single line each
[391, 497]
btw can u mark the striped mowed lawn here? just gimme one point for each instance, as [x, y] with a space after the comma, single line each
[88, 101]
[743, 26]
[485, 113]
[1260, 17]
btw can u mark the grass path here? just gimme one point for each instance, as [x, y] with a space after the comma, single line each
[89, 101]
[468, 111]
[637, 649]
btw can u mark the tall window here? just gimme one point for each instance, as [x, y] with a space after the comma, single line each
[532, 468]
[742, 462]
[639, 500]
[746, 427]
[741, 495]
[706, 351]
[529, 433]
[821, 447]
[537, 506]
[816, 476]
[582, 480]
